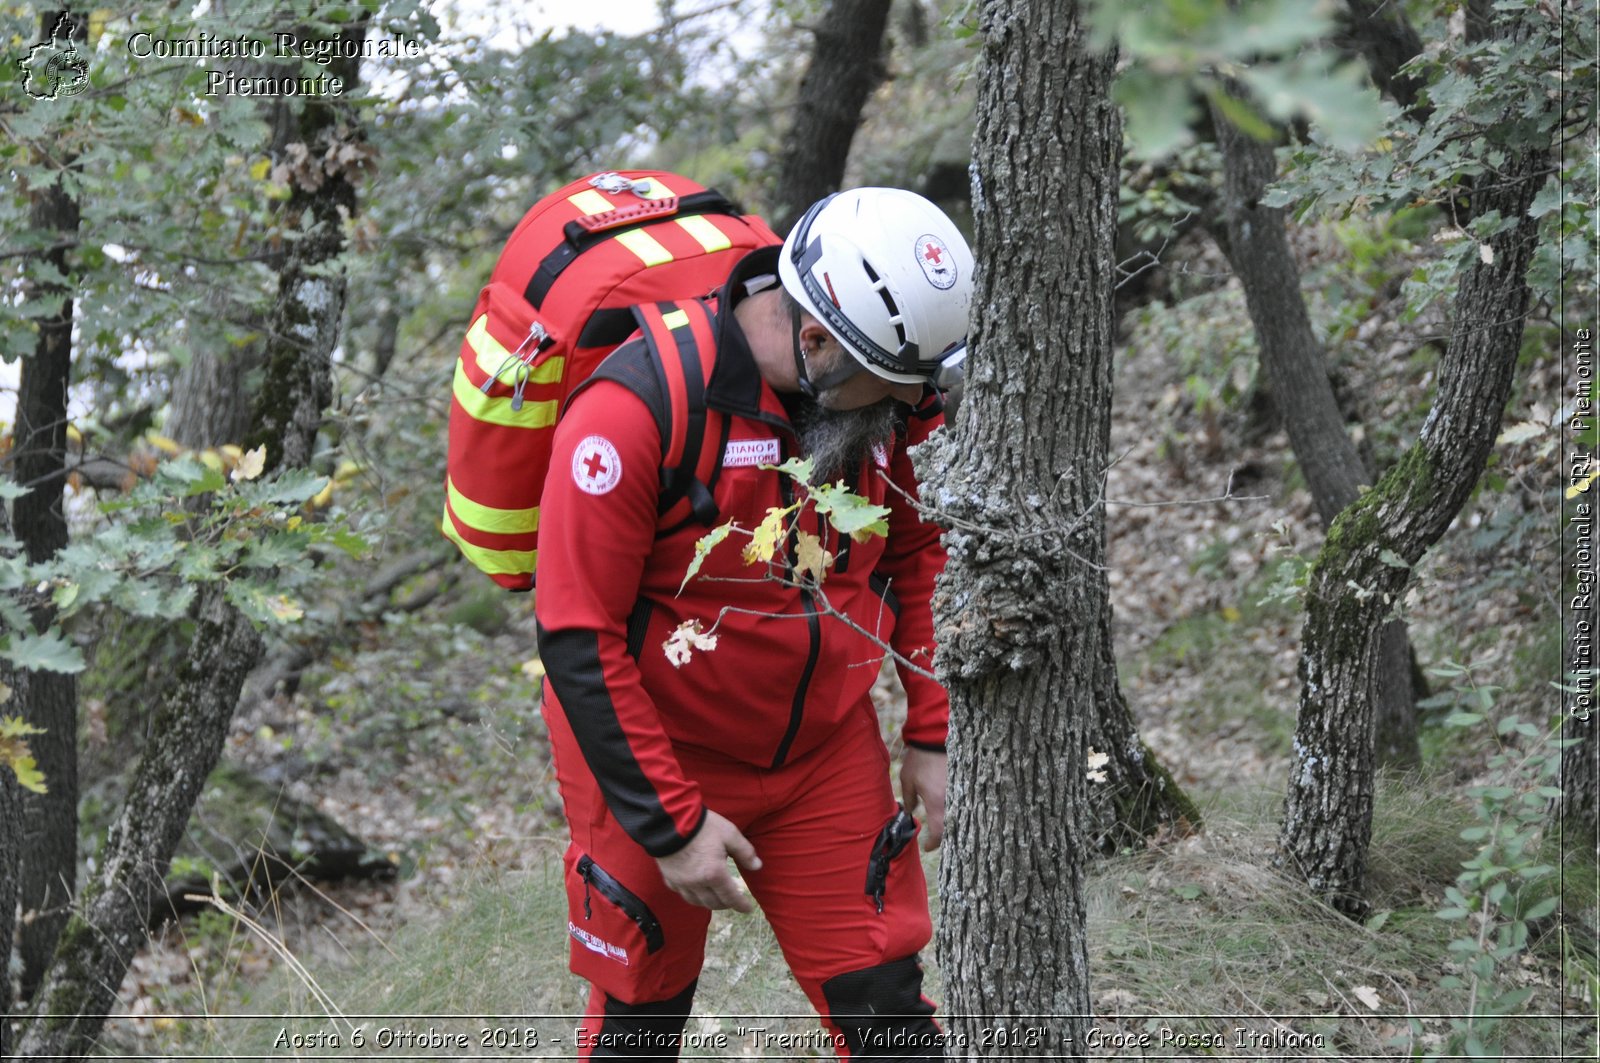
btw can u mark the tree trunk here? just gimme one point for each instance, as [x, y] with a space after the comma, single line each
[1138, 797]
[48, 700]
[1381, 34]
[1296, 368]
[185, 740]
[1328, 814]
[210, 399]
[187, 734]
[1022, 605]
[847, 65]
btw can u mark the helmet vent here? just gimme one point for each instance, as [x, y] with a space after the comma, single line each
[888, 301]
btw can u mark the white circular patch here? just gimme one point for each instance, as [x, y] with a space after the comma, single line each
[596, 465]
[939, 265]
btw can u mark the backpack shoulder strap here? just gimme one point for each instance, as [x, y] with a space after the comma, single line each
[683, 338]
[668, 369]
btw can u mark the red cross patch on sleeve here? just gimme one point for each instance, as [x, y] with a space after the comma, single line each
[596, 465]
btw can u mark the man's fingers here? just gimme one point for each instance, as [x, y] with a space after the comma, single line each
[932, 832]
[908, 791]
[744, 854]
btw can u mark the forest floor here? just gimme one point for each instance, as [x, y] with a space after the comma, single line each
[423, 739]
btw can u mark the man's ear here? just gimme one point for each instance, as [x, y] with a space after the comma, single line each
[813, 337]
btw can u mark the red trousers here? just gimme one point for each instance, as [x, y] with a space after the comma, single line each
[813, 822]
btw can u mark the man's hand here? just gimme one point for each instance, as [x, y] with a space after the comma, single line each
[922, 778]
[699, 871]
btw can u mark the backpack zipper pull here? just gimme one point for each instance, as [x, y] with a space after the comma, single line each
[525, 353]
[523, 373]
[492, 381]
[616, 184]
[531, 344]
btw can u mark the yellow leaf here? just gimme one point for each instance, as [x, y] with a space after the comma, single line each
[260, 169]
[5, 693]
[232, 451]
[533, 669]
[1230, 614]
[29, 775]
[74, 436]
[284, 608]
[211, 459]
[764, 540]
[251, 464]
[322, 497]
[162, 443]
[813, 559]
[14, 752]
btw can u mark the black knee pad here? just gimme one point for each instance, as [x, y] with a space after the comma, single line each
[647, 1031]
[881, 1013]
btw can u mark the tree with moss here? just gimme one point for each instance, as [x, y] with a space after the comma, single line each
[1488, 98]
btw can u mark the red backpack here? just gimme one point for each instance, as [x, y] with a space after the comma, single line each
[586, 267]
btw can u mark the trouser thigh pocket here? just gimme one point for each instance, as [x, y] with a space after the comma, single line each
[613, 930]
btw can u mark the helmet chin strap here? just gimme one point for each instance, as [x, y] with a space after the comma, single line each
[807, 388]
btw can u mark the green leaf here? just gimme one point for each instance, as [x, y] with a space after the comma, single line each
[293, 487]
[849, 513]
[1392, 559]
[1549, 199]
[1463, 719]
[1160, 111]
[797, 469]
[1241, 114]
[46, 653]
[1542, 908]
[702, 548]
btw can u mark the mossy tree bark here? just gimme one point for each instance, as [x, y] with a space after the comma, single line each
[1297, 374]
[187, 733]
[847, 65]
[1365, 564]
[48, 700]
[1022, 607]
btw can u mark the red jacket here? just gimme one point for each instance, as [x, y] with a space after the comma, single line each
[782, 676]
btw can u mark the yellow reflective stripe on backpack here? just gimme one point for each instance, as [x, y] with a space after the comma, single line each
[493, 562]
[708, 236]
[645, 246]
[478, 516]
[492, 355]
[497, 409]
[590, 202]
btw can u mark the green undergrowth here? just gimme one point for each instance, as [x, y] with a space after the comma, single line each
[1199, 938]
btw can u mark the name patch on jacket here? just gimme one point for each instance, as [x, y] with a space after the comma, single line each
[752, 452]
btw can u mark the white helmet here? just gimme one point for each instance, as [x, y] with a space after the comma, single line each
[890, 276]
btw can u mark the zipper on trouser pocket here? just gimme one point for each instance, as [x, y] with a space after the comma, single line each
[892, 840]
[625, 900]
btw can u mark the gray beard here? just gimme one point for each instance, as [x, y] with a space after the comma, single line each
[838, 441]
